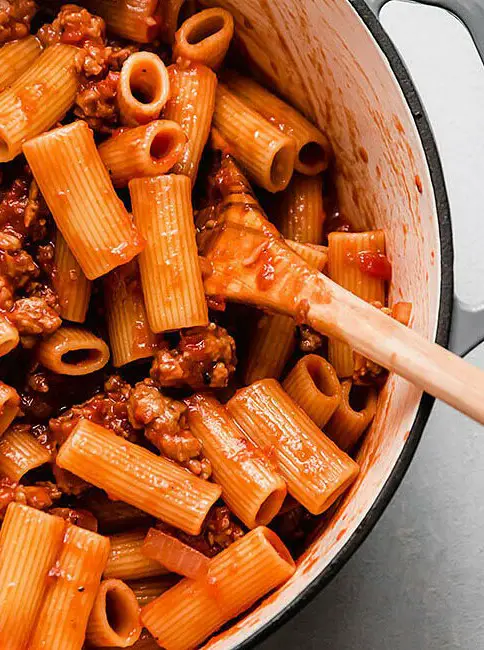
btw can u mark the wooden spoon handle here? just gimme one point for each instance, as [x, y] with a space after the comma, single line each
[397, 348]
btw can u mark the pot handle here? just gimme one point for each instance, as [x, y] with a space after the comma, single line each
[470, 12]
[467, 320]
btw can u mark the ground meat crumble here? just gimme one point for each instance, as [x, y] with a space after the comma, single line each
[220, 530]
[41, 495]
[109, 409]
[164, 423]
[15, 18]
[204, 358]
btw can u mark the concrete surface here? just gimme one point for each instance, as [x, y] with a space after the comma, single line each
[417, 583]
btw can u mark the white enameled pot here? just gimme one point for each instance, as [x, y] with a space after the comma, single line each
[333, 60]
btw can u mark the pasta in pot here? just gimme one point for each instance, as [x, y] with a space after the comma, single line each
[151, 498]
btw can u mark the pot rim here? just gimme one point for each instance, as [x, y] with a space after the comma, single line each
[442, 333]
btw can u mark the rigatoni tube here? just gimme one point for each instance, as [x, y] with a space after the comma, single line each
[204, 37]
[274, 338]
[80, 195]
[20, 452]
[73, 351]
[69, 597]
[130, 336]
[170, 271]
[265, 152]
[270, 347]
[150, 588]
[16, 57]
[133, 474]
[135, 20]
[250, 487]
[191, 104]
[39, 98]
[30, 541]
[314, 385]
[347, 252]
[312, 145]
[143, 88]
[147, 150]
[185, 615]
[114, 620]
[353, 415]
[9, 406]
[126, 559]
[300, 215]
[315, 470]
[71, 284]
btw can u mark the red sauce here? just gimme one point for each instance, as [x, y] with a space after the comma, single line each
[418, 183]
[375, 264]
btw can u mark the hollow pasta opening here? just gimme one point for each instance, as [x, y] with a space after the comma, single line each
[312, 154]
[144, 83]
[81, 356]
[205, 28]
[161, 145]
[282, 167]
[118, 611]
[270, 507]
[323, 380]
[278, 546]
[358, 398]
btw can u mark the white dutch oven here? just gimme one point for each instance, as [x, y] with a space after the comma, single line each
[332, 59]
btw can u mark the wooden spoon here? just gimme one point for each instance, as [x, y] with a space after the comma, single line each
[250, 263]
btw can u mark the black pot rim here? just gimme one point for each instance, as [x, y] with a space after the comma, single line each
[442, 334]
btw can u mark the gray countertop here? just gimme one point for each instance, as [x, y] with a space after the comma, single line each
[417, 581]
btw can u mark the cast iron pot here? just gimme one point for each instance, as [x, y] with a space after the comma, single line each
[333, 60]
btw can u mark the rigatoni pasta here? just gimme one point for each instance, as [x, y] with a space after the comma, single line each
[147, 150]
[300, 211]
[271, 346]
[69, 597]
[73, 351]
[143, 88]
[274, 338]
[137, 20]
[40, 97]
[157, 489]
[130, 335]
[114, 620]
[16, 57]
[127, 561]
[313, 149]
[72, 286]
[9, 406]
[347, 257]
[137, 476]
[266, 153]
[204, 37]
[170, 271]
[79, 193]
[353, 415]
[250, 487]
[29, 545]
[189, 612]
[315, 470]
[191, 104]
[20, 452]
[314, 386]
[150, 588]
